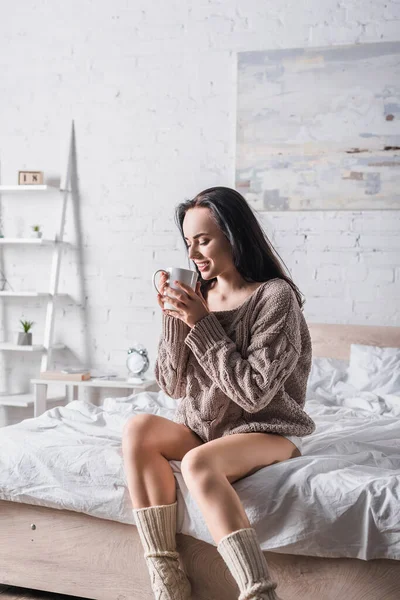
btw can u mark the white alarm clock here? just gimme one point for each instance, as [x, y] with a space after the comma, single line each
[137, 363]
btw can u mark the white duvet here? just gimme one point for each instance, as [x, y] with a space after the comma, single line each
[340, 499]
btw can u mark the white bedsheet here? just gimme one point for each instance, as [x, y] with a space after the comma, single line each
[340, 499]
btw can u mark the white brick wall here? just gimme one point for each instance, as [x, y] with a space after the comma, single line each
[152, 89]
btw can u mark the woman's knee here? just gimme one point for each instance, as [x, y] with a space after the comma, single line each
[196, 463]
[136, 431]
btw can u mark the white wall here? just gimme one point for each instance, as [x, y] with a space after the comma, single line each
[152, 90]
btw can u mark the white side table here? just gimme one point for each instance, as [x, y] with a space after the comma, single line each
[72, 388]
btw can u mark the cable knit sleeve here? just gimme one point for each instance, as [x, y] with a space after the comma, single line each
[253, 380]
[172, 357]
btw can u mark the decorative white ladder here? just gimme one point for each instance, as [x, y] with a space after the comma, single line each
[47, 347]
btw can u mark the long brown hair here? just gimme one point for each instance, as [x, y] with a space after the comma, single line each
[253, 254]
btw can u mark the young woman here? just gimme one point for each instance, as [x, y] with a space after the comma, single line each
[237, 353]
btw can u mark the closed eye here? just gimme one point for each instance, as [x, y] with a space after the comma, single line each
[203, 244]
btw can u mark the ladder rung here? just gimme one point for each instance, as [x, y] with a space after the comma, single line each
[29, 348]
[32, 241]
[31, 294]
[28, 188]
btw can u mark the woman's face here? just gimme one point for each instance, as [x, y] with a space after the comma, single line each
[211, 246]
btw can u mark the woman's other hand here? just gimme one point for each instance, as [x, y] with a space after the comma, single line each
[190, 304]
[162, 284]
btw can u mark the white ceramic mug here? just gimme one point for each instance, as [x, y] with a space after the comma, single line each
[186, 276]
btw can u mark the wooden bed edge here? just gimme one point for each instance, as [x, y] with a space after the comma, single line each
[67, 552]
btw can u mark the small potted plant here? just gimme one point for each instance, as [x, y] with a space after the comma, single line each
[25, 337]
[36, 231]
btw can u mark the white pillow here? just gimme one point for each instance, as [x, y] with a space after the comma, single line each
[374, 369]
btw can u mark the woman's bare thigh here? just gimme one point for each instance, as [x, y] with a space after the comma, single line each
[172, 440]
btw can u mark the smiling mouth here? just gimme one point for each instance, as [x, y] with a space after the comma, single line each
[203, 266]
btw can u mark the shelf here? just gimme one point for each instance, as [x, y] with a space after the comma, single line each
[27, 188]
[31, 294]
[31, 348]
[23, 400]
[31, 241]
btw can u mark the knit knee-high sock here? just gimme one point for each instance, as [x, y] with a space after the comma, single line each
[157, 531]
[243, 555]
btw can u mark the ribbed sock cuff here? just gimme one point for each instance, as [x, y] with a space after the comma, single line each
[243, 555]
[157, 527]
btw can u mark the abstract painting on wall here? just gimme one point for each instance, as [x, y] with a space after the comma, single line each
[319, 128]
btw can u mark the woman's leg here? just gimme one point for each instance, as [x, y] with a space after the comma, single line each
[209, 473]
[148, 443]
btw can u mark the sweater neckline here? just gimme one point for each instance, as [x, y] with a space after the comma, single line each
[233, 310]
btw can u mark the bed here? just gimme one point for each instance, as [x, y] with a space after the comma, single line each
[328, 521]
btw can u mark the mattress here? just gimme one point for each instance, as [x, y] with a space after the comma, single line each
[340, 499]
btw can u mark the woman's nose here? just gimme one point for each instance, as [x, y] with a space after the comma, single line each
[192, 255]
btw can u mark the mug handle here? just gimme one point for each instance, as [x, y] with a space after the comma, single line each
[154, 278]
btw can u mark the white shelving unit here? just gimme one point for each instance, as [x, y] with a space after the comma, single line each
[30, 241]
[47, 347]
[26, 188]
[32, 348]
[31, 294]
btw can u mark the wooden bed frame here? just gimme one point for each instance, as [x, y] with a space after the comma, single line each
[73, 553]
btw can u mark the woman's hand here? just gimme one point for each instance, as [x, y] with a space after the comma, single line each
[161, 286]
[190, 304]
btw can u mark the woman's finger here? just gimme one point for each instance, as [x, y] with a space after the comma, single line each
[160, 300]
[179, 305]
[162, 281]
[185, 289]
[171, 300]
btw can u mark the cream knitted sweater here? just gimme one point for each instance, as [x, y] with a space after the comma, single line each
[241, 370]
